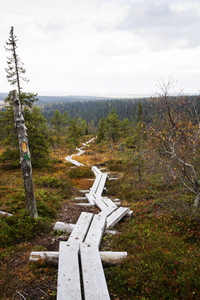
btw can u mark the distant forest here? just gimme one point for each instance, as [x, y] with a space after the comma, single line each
[93, 108]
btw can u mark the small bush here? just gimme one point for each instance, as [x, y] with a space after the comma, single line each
[48, 181]
[81, 172]
[20, 227]
[47, 203]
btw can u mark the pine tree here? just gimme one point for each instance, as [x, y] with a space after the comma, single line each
[73, 133]
[112, 126]
[59, 121]
[38, 134]
[15, 70]
[101, 131]
[140, 112]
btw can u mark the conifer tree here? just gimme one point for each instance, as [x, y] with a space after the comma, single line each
[112, 125]
[73, 133]
[101, 131]
[15, 70]
[59, 121]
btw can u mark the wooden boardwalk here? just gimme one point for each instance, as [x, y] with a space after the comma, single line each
[80, 269]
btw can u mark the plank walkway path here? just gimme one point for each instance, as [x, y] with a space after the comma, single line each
[80, 270]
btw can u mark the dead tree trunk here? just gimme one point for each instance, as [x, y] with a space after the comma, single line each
[25, 157]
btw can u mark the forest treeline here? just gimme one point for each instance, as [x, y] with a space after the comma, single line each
[95, 110]
[166, 125]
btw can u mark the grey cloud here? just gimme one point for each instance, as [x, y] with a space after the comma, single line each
[161, 26]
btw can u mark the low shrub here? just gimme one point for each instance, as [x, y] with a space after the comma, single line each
[48, 181]
[81, 172]
[20, 227]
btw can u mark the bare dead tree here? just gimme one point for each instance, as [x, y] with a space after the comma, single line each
[179, 139]
[25, 157]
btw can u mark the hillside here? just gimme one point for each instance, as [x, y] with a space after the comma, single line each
[162, 239]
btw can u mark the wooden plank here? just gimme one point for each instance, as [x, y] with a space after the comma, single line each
[94, 282]
[96, 230]
[109, 257]
[80, 198]
[68, 286]
[61, 226]
[80, 230]
[99, 202]
[90, 198]
[76, 163]
[101, 184]
[51, 257]
[68, 227]
[107, 211]
[109, 202]
[85, 204]
[96, 170]
[116, 216]
[5, 213]
[95, 185]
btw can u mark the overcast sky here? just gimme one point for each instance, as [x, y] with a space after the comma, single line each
[103, 46]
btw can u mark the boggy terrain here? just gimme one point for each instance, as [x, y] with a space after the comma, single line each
[162, 238]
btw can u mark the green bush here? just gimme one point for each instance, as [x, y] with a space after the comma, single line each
[48, 181]
[47, 203]
[81, 172]
[20, 227]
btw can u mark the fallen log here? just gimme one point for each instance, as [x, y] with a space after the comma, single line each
[67, 227]
[51, 257]
[5, 213]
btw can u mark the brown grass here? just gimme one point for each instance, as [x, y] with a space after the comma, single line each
[82, 183]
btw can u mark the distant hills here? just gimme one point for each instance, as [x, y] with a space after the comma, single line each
[72, 98]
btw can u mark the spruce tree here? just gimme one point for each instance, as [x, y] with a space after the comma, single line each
[101, 131]
[15, 70]
[73, 133]
[112, 126]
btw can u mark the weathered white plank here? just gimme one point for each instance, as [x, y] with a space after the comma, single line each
[68, 286]
[99, 202]
[94, 282]
[96, 170]
[107, 211]
[101, 184]
[51, 257]
[68, 266]
[129, 215]
[80, 151]
[67, 227]
[96, 230]
[110, 257]
[90, 198]
[118, 203]
[109, 202]
[5, 213]
[95, 185]
[76, 163]
[80, 230]
[85, 204]
[116, 216]
[80, 198]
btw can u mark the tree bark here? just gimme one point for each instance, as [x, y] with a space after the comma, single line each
[196, 201]
[25, 157]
